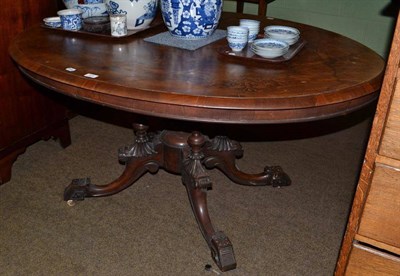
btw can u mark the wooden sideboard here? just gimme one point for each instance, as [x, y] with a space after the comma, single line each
[371, 245]
[27, 113]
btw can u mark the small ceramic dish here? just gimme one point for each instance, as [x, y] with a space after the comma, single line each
[269, 48]
[268, 44]
[266, 54]
[281, 31]
[284, 33]
[53, 22]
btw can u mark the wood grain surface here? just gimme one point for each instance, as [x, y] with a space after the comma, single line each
[390, 145]
[380, 219]
[369, 262]
[332, 75]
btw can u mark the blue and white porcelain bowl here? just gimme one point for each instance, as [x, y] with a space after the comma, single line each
[284, 33]
[139, 13]
[269, 48]
[71, 19]
[253, 26]
[53, 22]
[191, 19]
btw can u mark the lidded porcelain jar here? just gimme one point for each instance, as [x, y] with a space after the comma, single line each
[139, 13]
[191, 19]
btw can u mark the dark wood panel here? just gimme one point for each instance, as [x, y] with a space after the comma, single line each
[22, 108]
[26, 112]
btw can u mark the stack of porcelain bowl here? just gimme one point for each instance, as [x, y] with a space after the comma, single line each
[284, 33]
[253, 26]
[269, 48]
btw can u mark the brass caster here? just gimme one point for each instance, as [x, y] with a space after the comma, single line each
[71, 203]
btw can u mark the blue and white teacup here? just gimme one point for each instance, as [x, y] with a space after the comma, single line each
[71, 19]
[237, 37]
[53, 22]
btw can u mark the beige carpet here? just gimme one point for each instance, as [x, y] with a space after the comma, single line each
[149, 229]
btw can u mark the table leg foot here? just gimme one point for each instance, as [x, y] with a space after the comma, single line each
[77, 190]
[222, 251]
[219, 244]
[221, 153]
[81, 188]
[197, 182]
[145, 155]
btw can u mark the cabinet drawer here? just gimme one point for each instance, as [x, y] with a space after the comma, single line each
[380, 219]
[390, 143]
[365, 261]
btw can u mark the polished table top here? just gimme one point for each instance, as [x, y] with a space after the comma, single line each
[331, 75]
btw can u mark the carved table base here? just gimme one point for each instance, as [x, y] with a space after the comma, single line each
[189, 155]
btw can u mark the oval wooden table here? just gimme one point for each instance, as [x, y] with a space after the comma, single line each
[330, 76]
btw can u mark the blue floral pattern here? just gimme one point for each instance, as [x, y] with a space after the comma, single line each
[237, 45]
[191, 19]
[71, 22]
[113, 8]
[90, 11]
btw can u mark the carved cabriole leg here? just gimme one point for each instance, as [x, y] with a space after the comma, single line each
[81, 188]
[221, 153]
[143, 156]
[188, 155]
[197, 182]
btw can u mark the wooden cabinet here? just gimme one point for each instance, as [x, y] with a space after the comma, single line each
[371, 245]
[380, 220]
[27, 113]
[365, 261]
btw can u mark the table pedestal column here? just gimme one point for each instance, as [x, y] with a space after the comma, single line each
[189, 155]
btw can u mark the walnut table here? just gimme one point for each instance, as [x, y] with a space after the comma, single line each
[330, 76]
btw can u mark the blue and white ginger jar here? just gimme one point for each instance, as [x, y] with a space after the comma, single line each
[191, 19]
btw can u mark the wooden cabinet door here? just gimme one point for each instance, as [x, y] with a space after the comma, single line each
[23, 110]
[380, 220]
[27, 112]
[365, 261]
